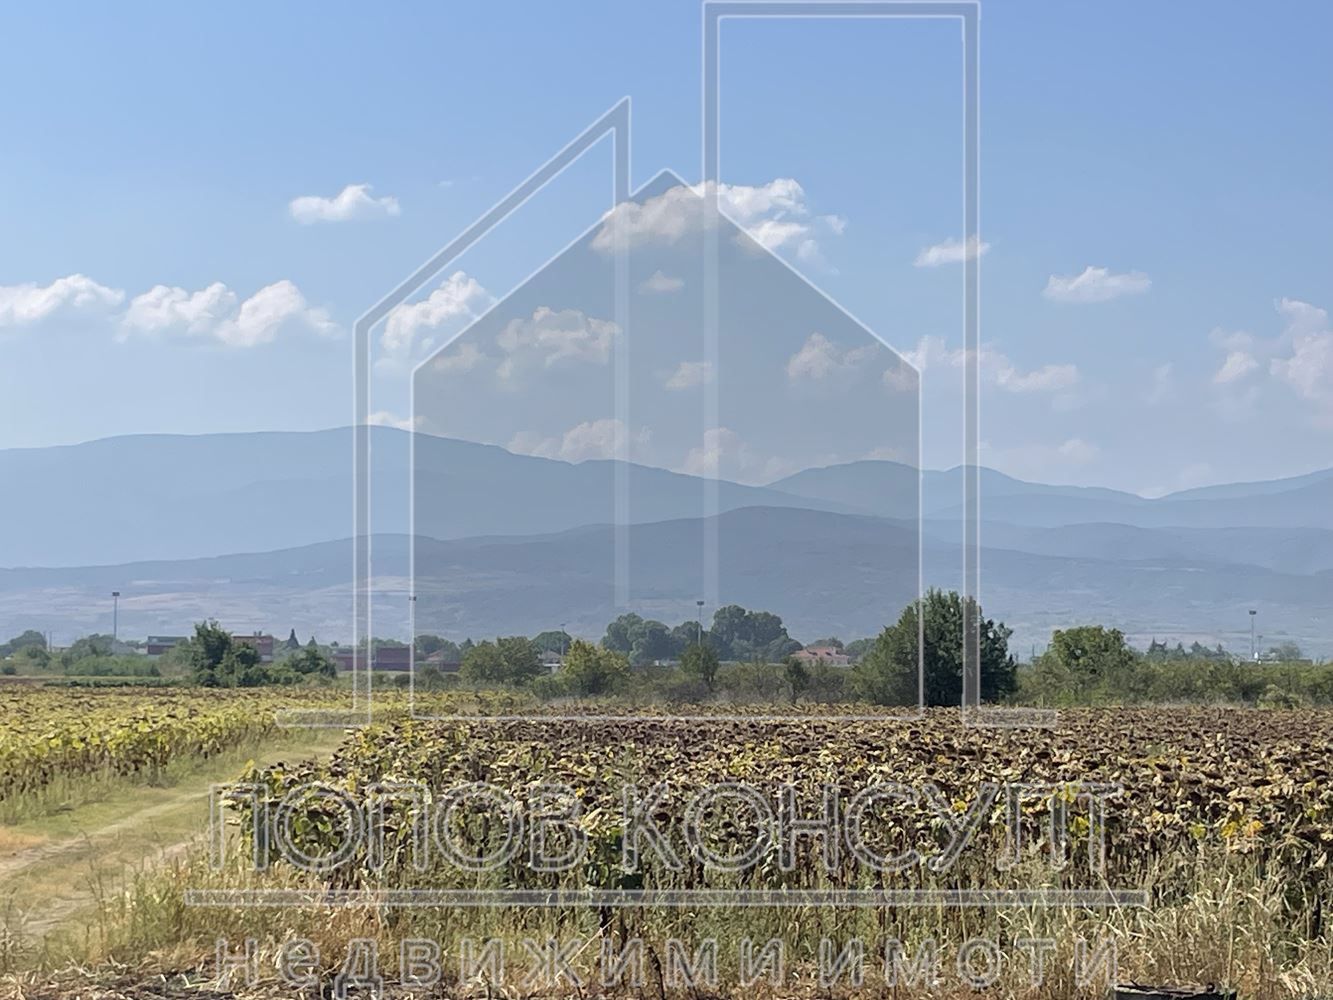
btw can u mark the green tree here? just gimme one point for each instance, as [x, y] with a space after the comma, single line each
[858, 648]
[553, 641]
[887, 674]
[1086, 658]
[701, 661]
[594, 670]
[619, 636]
[311, 662]
[427, 645]
[483, 665]
[797, 676]
[218, 660]
[738, 634]
[28, 639]
[85, 647]
[512, 660]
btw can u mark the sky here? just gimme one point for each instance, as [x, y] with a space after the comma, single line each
[196, 204]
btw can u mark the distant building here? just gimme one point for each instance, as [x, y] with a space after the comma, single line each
[831, 655]
[552, 660]
[386, 658]
[438, 660]
[156, 645]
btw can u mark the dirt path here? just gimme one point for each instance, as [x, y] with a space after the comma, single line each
[59, 866]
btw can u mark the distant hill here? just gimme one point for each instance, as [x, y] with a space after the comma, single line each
[166, 496]
[825, 573]
[878, 488]
[178, 497]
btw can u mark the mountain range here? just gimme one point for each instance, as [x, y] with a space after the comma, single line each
[515, 543]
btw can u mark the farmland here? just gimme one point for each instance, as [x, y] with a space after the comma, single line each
[1215, 827]
[53, 741]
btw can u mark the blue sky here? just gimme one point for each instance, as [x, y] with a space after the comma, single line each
[176, 256]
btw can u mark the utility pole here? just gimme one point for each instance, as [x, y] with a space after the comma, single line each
[115, 616]
[1254, 650]
[699, 633]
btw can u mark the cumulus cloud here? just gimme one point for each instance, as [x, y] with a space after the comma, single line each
[458, 298]
[996, 368]
[688, 374]
[1095, 284]
[819, 359]
[461, 359]
[1236, 365]
[352, 202]
[216, 313]
[776, 215]
[1299, 358]
[384, 418]
[592, 439]
[27, 304]
[551, 336]
[951, 252]
[723, 454]
[1308, 368]
[163, 308]
[661, 283]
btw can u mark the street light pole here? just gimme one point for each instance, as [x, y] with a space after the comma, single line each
[1254, 650]
[699, 632]
[115, 616]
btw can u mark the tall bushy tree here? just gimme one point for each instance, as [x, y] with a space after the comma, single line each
[701, 661]
[593, 670]
[887, 673]
[738, 634]
[218, 660]
[512, 660]
[1084, 660]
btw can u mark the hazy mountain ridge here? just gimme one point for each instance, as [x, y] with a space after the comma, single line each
[177, 497]
[252, 529]
[844, 574]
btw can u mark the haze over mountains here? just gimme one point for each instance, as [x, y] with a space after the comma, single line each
[514, 543]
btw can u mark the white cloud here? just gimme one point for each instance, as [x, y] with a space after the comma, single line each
[1299, 358]
[776, 215]
[819, 358]
[592, 439]
[951, 252]
[551, 336]
[1050, 463]
[719, 443]
[462, 359]
[723, 454]
[213, 312]
[458, 298]
[163, 308]
[996, 368]
[1095, 284]
[352, 202]
[661, 283]
[1237, 365]
[383, 418]
[23, 305]
[688, 374]
[1309, 368]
